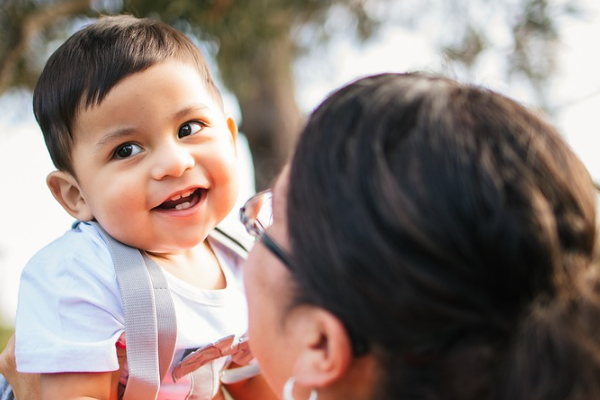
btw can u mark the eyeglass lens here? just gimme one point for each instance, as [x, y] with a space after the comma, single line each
[263, 210]
[257, 213]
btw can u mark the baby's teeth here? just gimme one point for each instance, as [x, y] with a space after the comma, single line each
[183, 206]
[177, 197]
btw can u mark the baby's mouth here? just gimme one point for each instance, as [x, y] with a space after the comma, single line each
[182, 201]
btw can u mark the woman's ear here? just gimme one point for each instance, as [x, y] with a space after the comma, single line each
[66, 191]
[326, 350]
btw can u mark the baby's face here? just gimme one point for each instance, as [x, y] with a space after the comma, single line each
[155, 161]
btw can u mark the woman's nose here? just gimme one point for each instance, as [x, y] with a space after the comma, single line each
[172, 160]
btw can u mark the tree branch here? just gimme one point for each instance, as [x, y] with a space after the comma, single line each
[30, 26]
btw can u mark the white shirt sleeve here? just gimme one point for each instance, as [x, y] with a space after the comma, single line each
[70, 313]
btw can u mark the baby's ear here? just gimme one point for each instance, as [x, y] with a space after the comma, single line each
[66, 191]
[233, 129]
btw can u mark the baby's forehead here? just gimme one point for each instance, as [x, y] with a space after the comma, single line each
[103, 84]
[91, 100]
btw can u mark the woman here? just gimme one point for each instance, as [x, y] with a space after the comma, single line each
[437, 243]
[430, 240]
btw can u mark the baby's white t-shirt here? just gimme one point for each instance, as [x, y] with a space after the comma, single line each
[70, 313]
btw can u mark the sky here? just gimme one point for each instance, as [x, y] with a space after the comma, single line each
[30, 218]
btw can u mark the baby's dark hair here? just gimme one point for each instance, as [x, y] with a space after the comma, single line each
[451, 229]
[84, 69]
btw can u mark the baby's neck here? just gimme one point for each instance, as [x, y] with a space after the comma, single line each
[198, 266]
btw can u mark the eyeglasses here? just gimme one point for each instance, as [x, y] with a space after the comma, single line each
[257, 215]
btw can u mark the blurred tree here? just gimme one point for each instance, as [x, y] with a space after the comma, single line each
[5, 334]
[526, 34]
[22, 23]
[256, 42]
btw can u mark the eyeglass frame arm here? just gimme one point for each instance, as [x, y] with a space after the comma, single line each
[275, 249]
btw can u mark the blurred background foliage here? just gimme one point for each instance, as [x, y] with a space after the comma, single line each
[255, 43]
[5, 333]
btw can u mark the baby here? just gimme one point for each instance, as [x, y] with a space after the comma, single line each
[137, 131]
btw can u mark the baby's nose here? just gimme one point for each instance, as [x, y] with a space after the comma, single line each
[172, 160]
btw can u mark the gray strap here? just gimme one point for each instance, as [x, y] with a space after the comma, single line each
[149, 319]
[235, 241]
[165, 315]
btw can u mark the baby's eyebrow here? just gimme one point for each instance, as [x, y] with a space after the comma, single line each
[114, 135]
[189, 110]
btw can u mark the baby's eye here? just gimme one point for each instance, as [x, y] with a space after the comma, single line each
[127, 150]
[189, 128]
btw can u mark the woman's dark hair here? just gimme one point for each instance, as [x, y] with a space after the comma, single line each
[450, 228]
[83, 70]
